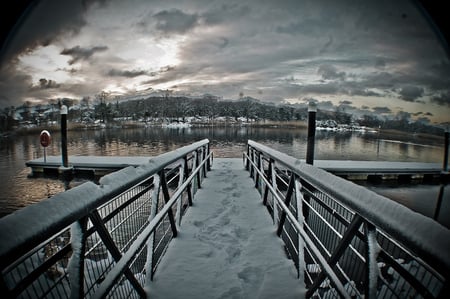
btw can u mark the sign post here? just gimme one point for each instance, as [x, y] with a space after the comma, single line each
[45, 140]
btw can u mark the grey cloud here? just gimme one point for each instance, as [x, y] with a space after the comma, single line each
[79, 53]
[330, 72]
[225, 13]
[442, 99]
[175, 21]
[380, 63]
[327, 45]
[411, 93]
[381, 110]
[44, 84]
[363, 92]
[124, 73]
[44, 22]
[321, 88]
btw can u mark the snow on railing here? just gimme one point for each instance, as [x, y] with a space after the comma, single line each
[101, 240]
[346, 240]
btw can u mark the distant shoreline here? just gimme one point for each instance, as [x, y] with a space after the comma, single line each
[383, 133]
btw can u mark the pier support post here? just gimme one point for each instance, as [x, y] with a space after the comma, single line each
[312, 109]
[65, 160]
[445, 166]
[64, 170]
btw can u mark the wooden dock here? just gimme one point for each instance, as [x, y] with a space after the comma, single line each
[97, 165]
[352, 170]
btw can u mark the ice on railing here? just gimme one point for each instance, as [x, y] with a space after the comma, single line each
[374, 271]
[73, 268]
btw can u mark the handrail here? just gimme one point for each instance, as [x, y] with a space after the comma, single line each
[331, 200]
[126, 259]
[34, 228]
[103, 223]
[303, 234]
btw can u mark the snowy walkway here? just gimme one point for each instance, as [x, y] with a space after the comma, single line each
[227, 246]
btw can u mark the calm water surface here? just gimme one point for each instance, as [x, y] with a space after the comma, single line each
[18, 190]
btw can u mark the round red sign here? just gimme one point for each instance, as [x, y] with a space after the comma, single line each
[45, 138]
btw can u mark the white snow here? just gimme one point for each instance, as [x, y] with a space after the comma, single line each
[374, 250]
[177, 125]
[73, 268]
[227, 246]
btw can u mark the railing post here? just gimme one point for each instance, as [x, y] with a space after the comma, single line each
[300, 246]
[204, 167]
[287, 202]
[186, 174]
[197, 159]
[275, 187]
[153, 212]
[180, 182]
[257, 162]
[269, 178]
[207, 154]
[166, 195]
[248, 157]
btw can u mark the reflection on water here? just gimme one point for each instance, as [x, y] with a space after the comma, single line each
[17, 190]
[422, 198]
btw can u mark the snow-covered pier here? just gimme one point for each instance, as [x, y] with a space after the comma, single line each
[352, 170]
[97, 165]
[183, 222]
[227, 247]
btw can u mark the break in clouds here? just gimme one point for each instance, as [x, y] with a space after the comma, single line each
[380, 56]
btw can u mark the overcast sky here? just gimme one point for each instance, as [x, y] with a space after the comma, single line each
[379, 56]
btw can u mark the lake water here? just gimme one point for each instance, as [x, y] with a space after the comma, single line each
[19, 190]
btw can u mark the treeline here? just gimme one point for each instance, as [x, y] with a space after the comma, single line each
[182, 107]
[170, 108]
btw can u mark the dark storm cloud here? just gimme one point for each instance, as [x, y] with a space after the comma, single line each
[363, 92]
[44, 23]
[127, 74]
[411, 93]
[175, 21]
[79, 53]
[381, 110]
[442, 99]
[44, 84]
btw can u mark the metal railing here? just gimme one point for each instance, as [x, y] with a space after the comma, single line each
[101, 240]
[345, 240]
